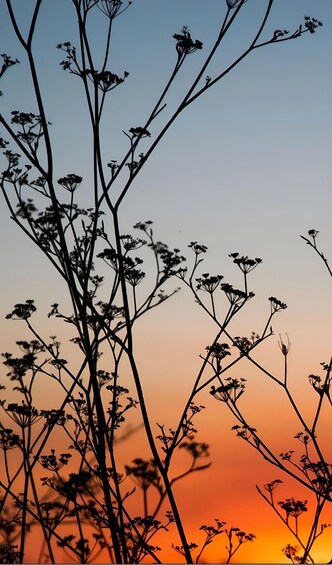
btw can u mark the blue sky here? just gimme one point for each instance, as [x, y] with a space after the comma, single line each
[247, 167]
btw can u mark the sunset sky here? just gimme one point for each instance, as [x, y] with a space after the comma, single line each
[245, 168]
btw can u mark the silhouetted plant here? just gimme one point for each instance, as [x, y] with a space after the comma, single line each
[310, 468]
[85, 504]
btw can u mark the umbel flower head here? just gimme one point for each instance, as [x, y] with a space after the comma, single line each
[185, 45]
[233, 3]
[70, 182]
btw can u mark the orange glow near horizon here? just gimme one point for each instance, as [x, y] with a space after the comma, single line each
[227, 490]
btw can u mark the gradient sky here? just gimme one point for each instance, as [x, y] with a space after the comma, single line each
[246, 168]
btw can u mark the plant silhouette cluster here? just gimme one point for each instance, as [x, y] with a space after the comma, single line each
[80, 500]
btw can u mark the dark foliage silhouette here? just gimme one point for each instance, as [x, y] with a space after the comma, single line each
[80, 500]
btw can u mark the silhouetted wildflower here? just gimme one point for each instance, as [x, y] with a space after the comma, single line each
[245, 432]
[31, 128]
[233, 3]
[293, 507]
[321, 471]
[109, 311]
[70, 63]
[54, 463]
[134, 276]
[212, 531]
[7, 62]
[218, 350]
[18, 365]
[180, 549]
[145, 473]
[270, 487]
[70, 182]
[231, 390]
[197, 248]
[244, 344]
[3, 143]
[8, 439]
[113, 165]
[313, 233]
[243, 536]
[170, 258]
[132, 165]
[54, 417]
[139, 132]
[244, 263]
[10, 554]
[130, 243]
[23, 414]
[110, 257]
[185, 44]
[287, 456]
[164, 438]
[234, 295]
[291, 552]
[22, 311]
[144, 226]
[107, 81]
[112, 8]
[196, 449]
[311, 23]
[276, 305]
[282, 346]
[208, 282]
[322, 386]
[303, 437]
